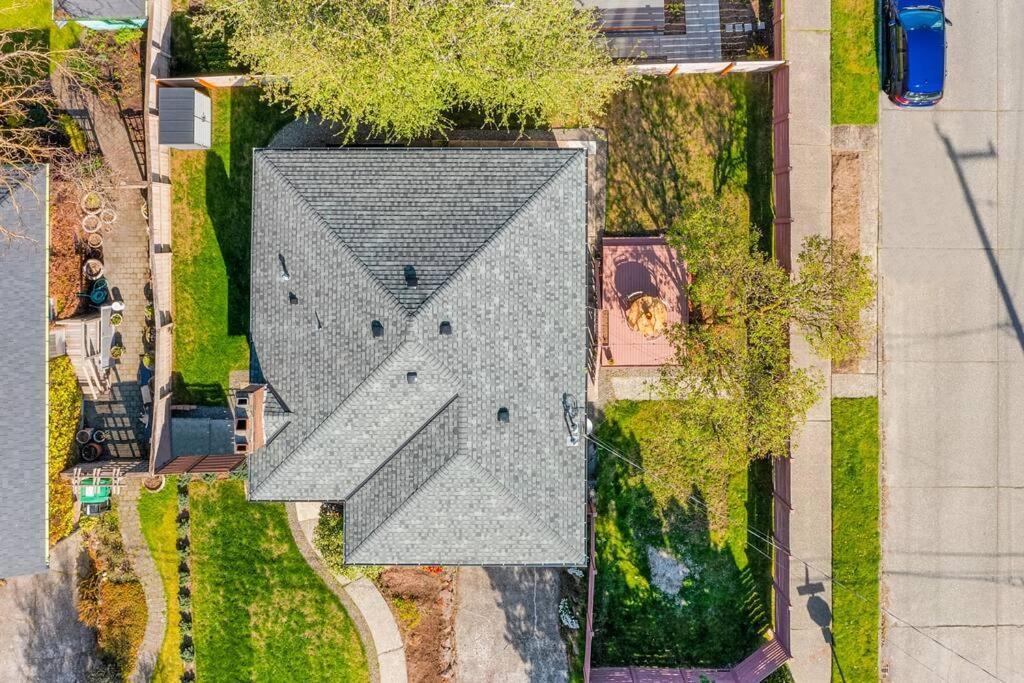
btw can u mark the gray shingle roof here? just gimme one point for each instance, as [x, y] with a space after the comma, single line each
[23, 375]
[498, 241]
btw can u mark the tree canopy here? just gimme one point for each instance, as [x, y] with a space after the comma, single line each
[401, 67]
[732, 360]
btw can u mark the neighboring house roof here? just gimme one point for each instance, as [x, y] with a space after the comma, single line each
[497, 238]
[24, 262]
[101, 9]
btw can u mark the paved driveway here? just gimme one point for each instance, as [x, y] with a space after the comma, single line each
[951, 259]
[41, 638]
[506, 626]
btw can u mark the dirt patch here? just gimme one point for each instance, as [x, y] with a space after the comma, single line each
[846, 215]
[117, 56]
[421, 600]
[65, 258]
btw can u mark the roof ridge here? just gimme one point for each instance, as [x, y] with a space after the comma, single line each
[322, 222]
[384, 365]
[457, 275]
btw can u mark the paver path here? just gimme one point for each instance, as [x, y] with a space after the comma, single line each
[951, 259]
[41, 638]
[145, 569]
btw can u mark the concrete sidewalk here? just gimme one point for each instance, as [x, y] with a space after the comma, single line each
[808, 45]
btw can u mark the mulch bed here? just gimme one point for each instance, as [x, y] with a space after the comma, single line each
[65, 260]
[421, 600]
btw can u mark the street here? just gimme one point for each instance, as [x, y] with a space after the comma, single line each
[951, 263]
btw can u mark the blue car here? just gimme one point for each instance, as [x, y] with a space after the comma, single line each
[913, 51]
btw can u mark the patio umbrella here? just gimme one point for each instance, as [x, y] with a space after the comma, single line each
[648, 315]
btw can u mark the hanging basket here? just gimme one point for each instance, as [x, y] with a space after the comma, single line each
[107, 216]
[90, 223]
[93, 269]
[92, 202]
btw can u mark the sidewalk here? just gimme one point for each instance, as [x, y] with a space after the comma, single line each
[808, 46]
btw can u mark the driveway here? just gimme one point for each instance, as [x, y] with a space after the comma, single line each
[506, 626]
[41, 638]
[951, 260]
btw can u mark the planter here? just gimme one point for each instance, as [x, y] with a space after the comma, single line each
[155, 484]
[107, 216]
[147, 361]
[90, 223]
[147, 336]
[116, 319]
[83, 436]
[92, 269]
[90, 452]
[92, 202]
[94, 240]
[149, 311]
[99, 436]
[116, 351]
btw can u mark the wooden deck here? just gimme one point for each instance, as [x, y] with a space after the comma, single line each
[638, 264]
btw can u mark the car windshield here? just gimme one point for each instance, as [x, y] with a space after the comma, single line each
[915, 19]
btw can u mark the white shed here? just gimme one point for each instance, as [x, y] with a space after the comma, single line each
[185, 118]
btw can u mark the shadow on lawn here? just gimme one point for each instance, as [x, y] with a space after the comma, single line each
[722, 609]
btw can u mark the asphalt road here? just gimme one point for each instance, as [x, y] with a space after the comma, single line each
[951, 259]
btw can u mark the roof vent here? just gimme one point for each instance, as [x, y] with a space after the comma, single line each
[445, 328]
[410, 276]
[283, 276]
[377, 328]
[292, 299]
[502, 414]
[410, 377]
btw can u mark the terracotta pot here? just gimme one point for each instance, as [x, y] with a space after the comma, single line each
[90, 452]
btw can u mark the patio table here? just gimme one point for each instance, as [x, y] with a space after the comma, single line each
[647, 315]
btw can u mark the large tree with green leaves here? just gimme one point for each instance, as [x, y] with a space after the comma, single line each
[401, 67]
[733, 368]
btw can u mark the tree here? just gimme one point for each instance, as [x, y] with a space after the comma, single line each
[401, 67]
[732, 359]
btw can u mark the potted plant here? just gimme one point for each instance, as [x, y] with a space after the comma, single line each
[149, 311]
[116, 319]
[116, 351]
[92, 201]
[148, 360]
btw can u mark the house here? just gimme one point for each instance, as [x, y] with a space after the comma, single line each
[419, 319]
[24, 348]
[101, 15]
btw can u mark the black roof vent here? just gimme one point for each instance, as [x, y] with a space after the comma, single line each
[283, 276]
[377, 328]
[292, 299]
[502, 414]
[445, 328]
[410, 377]
[410, 276]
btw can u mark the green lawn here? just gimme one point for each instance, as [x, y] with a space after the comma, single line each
[723, 608]
[260, 613]
[212, 199]
[158, 513]
[855, 82]
[674, 140]
[856, 545]
[35, 15]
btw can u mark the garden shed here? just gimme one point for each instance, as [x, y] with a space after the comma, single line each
[185, 118]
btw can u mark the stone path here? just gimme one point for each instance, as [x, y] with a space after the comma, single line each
[385, 651]
[145, 569]
[41, 638]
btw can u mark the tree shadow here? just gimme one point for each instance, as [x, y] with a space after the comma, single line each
[205, 394]
[722, 609]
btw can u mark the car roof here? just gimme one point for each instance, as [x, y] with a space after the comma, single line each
[926, 60]
[907, 4]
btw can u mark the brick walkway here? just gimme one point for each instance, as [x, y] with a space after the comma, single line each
[152, 585]
[126, 261]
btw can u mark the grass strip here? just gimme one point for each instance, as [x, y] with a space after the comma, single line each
[158, 513]
[856, 540]
[855, 79]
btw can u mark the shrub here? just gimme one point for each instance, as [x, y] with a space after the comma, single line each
[329, 540]
[64, 412]
[125, 36]
[76, 136]
[188, 650]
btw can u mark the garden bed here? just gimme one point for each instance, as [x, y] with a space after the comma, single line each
[679, 583]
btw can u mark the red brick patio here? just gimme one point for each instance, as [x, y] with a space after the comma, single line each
[630, 265]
